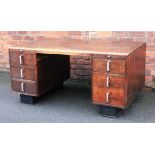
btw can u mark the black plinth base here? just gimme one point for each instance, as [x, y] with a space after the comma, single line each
[110, 111]
[27, 99]
[59, 86]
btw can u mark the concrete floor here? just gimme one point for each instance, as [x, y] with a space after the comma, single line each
[70, 104]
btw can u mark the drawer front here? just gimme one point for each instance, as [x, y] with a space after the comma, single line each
[109, 66]
[24, 87]
[108, 81]
[22, 58]
[23, 73]
[110, 97]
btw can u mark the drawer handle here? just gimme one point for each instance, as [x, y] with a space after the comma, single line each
[22, 87]
[21, 59]
[108, 82]
[22, 73]
[108, 65]
[107, 97]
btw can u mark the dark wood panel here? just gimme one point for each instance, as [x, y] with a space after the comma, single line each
[115, 66]
[23, 73]
[23, 58]
[52, 71]
[104, 80]
[24, 87]
[116, 98]
[136, 72]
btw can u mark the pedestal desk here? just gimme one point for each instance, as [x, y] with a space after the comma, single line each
[118, 69]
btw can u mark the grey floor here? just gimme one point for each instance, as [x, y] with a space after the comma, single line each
[70, 104]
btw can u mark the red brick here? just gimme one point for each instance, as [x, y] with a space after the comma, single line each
[84, 67]
[120, 34]
[72, 61]
[83, 61]
[11, 42]
[74, 33]
[150, 59]
[147, 71]
[150, 54]
[12, 32]
[108, 39]
[6, 37]
[137, 34]
[77, 57]
[47, 33]
[147, 60]
[149, 34]
[72, 72]
[28, 38]
[149, 68]
[153, 72]
[140, 39]
[16, 37]
[4, 32]
[61, 33]
[150, 47]
[126, 40]
[82, 72]
[34, 32]
[151, 41]
[22, 32]
[148, 81]
[103, 33]
[3, 41]
[73, 66]
[40, 37]
[74, 77]
[148, 78]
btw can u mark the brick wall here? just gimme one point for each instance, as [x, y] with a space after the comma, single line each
[80, 66]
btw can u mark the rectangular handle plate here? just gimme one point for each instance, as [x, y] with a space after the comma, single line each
[22, 87]
[107, 97]
[108, 84]
[22, 73]
[108, 65]
[21, 59]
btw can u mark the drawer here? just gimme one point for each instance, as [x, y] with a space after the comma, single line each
[22, 58]
[24, 87]
[110, 97]
[108, 81]
[23, 73]
[109, 66]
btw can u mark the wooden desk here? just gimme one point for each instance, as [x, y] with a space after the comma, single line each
[118, 69]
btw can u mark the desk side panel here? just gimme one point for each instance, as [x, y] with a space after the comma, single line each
[135, 67]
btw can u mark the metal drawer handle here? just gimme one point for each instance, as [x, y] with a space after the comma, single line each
[22, 73]
[108, 84]
[107, 97]
[108, 65]
[21, 59]
[22, 87]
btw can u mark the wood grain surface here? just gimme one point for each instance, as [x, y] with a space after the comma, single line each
[79, 47]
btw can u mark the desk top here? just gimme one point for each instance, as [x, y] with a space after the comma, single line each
[80, 47]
